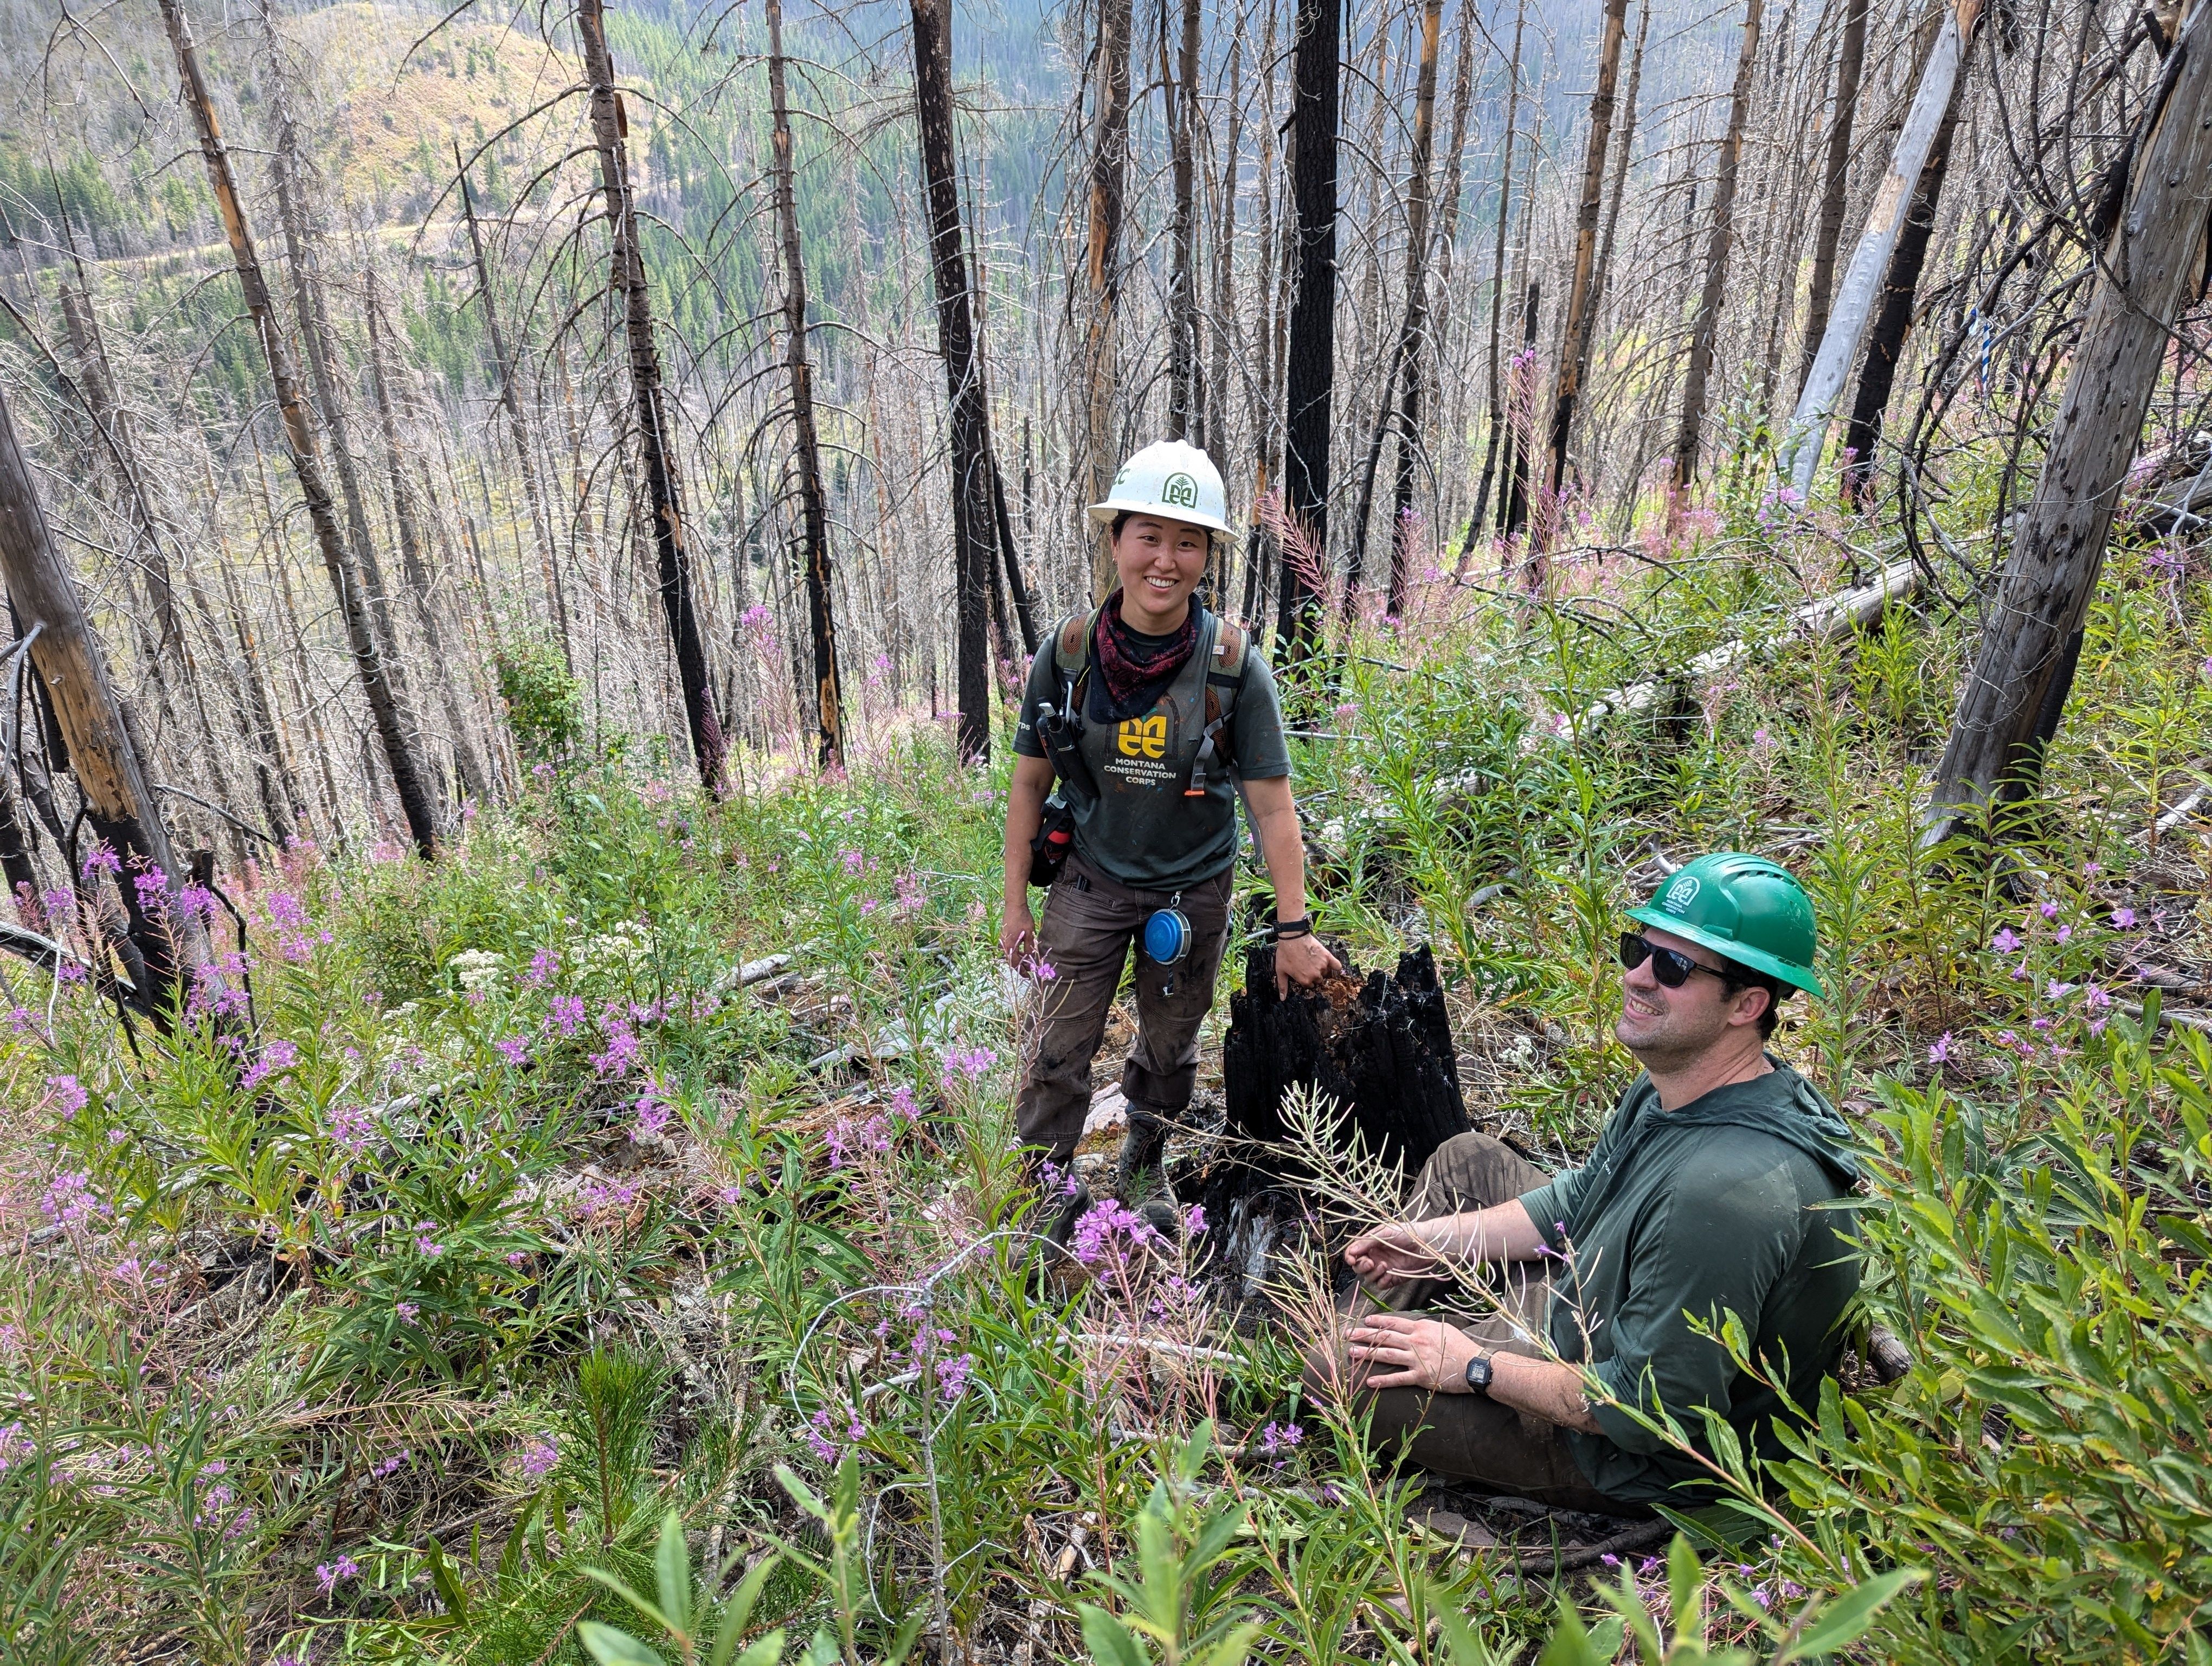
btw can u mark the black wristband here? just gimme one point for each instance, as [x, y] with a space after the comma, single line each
[1281, 929]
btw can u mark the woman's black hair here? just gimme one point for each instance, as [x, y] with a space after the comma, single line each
[1120, 520]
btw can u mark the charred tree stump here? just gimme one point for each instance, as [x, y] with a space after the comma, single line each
[1381, 1049]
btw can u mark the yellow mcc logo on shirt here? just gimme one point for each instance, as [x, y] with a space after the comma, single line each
[1143, 737]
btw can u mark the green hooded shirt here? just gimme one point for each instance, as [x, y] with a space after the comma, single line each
[1715, 1207]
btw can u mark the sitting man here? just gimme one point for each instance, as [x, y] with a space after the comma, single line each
[1711, 1191]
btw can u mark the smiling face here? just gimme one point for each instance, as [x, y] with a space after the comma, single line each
[1668, 1028]
[1159, 563]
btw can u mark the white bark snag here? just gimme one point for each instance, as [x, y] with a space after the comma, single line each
[1861, 289]
[2008, 708]
[118, 799]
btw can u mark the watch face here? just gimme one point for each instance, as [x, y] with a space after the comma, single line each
[1478, 1374]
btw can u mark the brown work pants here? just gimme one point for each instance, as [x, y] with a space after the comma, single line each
[1091, 923]
[1469, 1436]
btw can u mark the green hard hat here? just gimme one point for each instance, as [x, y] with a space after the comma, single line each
[1742, 906]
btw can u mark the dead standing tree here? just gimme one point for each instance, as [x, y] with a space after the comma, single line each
[168, 942]
[813, 501]
[977, 511]
[1315, 95]
[1705, 326]
[1850, 65]
[1109, 166]
[655, 427]
[1799, 459]
[2009, 707]
[1578, 327]
[302, 444]
[1401, 386]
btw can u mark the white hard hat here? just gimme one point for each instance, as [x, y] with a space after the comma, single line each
[1172, 480]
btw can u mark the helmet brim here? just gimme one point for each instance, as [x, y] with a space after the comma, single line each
[1798, 977]
[1102, 514]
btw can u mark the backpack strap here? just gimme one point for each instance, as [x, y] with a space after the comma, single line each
[1071, 658]
[1225, 681]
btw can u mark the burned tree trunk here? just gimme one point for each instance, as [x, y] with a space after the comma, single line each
[169, 944]
[1110, 165]
[316, 335]
[1851, 64]
[1498, 287]
[813, 502]
[300, 442]
[1705, 326]
[1379, 1050]
[1401, 385]
[1578, 327]
[2033, 634]
[976, 498]
[1186, 381]
[1893, 322]
[656, 427]
[1315, 96]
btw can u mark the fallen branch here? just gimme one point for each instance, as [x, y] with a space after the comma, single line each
[1823, 619]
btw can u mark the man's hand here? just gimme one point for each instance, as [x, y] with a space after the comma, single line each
[1302, 960]
[1017, 929]
[1401, 1352]
[1391, 1255]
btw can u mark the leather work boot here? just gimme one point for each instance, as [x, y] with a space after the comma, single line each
[1142, 1172]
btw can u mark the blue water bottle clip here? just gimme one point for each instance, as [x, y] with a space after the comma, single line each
[1168, 933]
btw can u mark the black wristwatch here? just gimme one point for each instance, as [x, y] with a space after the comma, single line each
[1479, 1374]
[1283, 930]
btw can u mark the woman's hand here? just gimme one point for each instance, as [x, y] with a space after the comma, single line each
[1390, 1255]
[1303, 961]
[1412, 1353]
[1017, 930]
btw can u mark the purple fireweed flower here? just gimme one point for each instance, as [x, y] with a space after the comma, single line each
[513, 1049]
[195, 899]
[153, 889]
[101, 859]
[69, 1096]
[566, 1015]
[276, 1056]
[2095, 998]
[1279, 1440]
[539, 1456]
[828, 1422]
[970, 1065]
[406, 1311]
[70, 1200]
[2124, 918]
[903, 1105]
[351, 1129]
[952, 1378]
[427, 1245]
[1096, 1234]
[2005, 942]
[852, 861]
[15, 1446]
[330, 1575]
[621, 1052]
[543, 965]
[1194, 1220]
[653, 1115]
[2048, 910]
[1941, 1052]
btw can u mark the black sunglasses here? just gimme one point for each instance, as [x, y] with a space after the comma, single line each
[1670, 966]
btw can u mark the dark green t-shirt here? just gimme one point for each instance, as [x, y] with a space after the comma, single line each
[1710, 1209]
[1141, 829]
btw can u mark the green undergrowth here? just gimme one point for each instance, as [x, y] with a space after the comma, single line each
[391, 1311]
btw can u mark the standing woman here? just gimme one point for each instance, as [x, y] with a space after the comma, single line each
[1153, 713]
